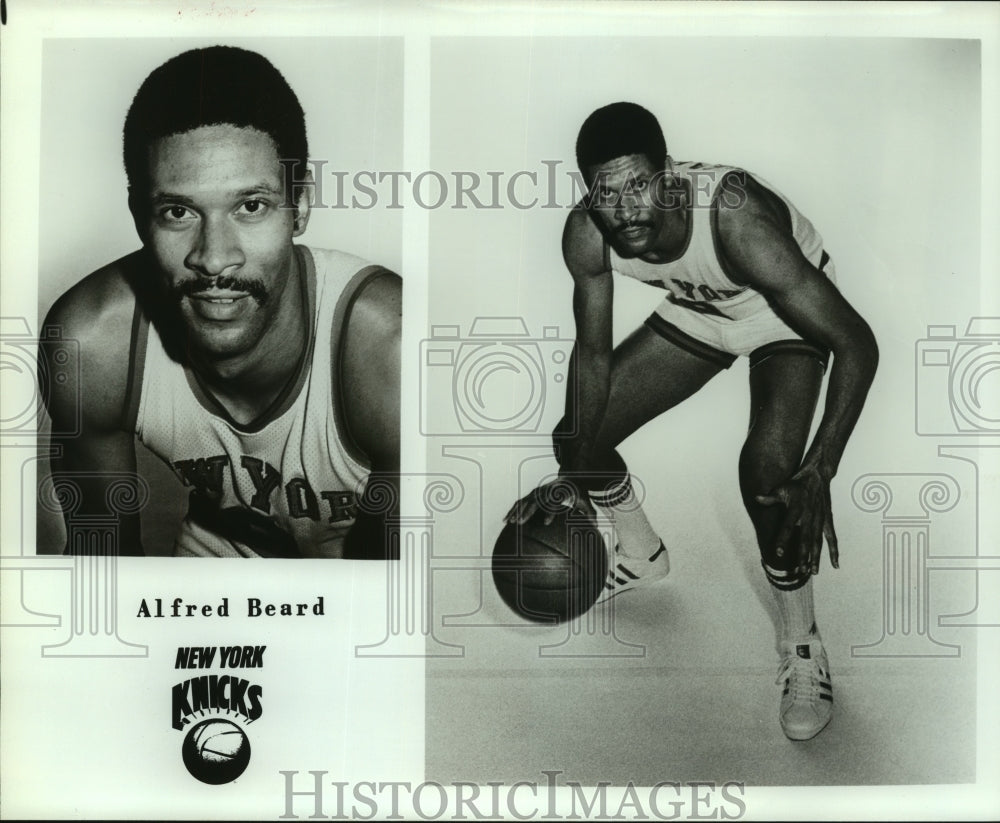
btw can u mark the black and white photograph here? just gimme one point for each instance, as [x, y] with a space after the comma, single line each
[708, 271]
[237, 352]
[654, 346]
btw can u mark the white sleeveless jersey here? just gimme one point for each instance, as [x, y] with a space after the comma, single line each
[697, 278]
[286, 485]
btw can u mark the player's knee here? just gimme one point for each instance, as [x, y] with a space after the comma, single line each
[759, 474]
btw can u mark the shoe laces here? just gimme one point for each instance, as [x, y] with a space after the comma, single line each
[802, 675]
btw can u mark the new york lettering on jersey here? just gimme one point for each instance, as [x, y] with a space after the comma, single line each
[267, 491]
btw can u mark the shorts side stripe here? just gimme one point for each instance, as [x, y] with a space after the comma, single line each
[668, 331]
[761, 354]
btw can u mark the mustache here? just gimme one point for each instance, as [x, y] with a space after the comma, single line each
[255, 288]
[634, 224]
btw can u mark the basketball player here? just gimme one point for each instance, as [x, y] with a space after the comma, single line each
[744, 273]
[265, 373]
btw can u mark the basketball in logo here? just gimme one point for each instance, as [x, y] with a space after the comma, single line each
[216, 751]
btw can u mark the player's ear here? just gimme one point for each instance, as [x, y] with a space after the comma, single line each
[303, 194]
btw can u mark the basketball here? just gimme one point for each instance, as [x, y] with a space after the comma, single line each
[216, 751]
[550, 573]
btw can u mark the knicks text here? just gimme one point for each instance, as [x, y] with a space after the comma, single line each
[215, 693]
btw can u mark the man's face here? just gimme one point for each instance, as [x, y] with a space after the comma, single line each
[629, 201]
[213, 222]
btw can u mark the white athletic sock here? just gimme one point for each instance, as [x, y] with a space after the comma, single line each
[798, 620]
[635, 535]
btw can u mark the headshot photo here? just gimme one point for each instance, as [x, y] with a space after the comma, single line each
[228, 328]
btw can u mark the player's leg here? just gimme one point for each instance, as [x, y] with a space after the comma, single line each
[649, 375]
[784, 389]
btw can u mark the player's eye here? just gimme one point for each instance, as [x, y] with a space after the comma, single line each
[175, 214]
[253, 208]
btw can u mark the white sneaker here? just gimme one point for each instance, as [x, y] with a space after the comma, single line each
[807, 699]
[626, 572]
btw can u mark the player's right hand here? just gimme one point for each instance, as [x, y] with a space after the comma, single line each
[550, 498]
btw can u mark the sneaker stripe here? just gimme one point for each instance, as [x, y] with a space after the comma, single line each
[625, 571]
[826, 697]
[622, 578]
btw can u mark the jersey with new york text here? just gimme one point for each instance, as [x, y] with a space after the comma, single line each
[698, 278]
[287, 484]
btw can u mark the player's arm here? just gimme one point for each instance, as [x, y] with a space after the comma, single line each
[94, 462]
[756, 241]
[371, 390]
[589, 382]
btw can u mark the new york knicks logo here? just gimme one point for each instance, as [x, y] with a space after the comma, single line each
[216, 751]
[214, 710]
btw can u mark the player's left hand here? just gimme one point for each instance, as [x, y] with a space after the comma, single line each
[549, 498]
[806, 497]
